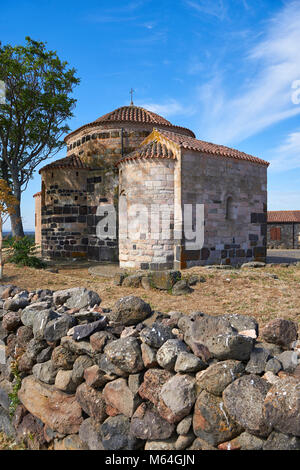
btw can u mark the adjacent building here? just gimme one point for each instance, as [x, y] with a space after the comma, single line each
[284, 229]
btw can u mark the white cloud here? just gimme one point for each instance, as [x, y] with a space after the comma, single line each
[215, 8]
[265, 99]
[169, 108]
[287, 155]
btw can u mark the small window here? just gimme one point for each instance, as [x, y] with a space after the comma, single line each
[229, 209]
[275, 233]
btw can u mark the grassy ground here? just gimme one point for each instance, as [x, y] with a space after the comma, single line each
[250, 292]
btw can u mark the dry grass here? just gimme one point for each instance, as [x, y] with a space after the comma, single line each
[250, 292]
[8, 443]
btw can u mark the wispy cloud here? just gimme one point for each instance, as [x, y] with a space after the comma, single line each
[117, 14]
[169, 108]
[265, 99]
[216, 8]
[287, 155]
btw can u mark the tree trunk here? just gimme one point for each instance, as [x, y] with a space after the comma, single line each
[16, 223]
[1, 241]
[15, 217]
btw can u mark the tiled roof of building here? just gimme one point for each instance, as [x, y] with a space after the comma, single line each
[152, 150]
[283, 216]
[71, 161]
[133, 114]
[191, 143]
[37, 194]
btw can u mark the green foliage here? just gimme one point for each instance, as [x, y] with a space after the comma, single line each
[13, 396]
[23, 253]
[34, 113]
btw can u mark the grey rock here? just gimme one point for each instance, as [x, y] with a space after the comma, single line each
[146, 423]
[279, 441]
[77, 347]
[162, 445]
[19, 301]
[188, 363]
[273, 365]
[129, 311]
[58, 327]
[212, 422]
[41, 319]
[28, 314]
[241, 322]
[253, 264]
[5, 423]
[244, 401]
[80, 364]
[85, 331]
[34, 347]
[5, 390]
[44, 355]
[132, 281]
[177, 397]
[164, 280]
[258, 360]
[90, 433]
[184, 426]
[76, 297]
[156, 335]
[289, 360]
[126, 354]
[218, 376]
[181, 288]
[45, 372]
[281, 406]
[280, 331]
[105, 365]
[250, 442]
[167, 355]
[116, 434]
[216, 334]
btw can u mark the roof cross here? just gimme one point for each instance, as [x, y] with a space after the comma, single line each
[131, 93]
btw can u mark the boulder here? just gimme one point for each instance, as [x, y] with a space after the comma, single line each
[244, 401]
[258, 360]
[177, 397]
[90, 434]
[279, 441]
[59, 411]
[154, 379]
[167, 354]
[45, 372]
[11, 321]
[280, 331]
[76, 297]
[118, 395]
[126, 354]
[116, 435]
[40, 321]
[218, 376]
[281, 406]
[164, 280]
[211, 421]
[85, 331]
[147, 424]
[181, 288]
[92, 402]
[188, 363]
[156, 335]
[130, 310]
[58, 327]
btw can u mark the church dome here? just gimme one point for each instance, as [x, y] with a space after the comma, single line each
[135, 115]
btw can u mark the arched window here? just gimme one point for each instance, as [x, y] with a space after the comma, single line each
[229, 209]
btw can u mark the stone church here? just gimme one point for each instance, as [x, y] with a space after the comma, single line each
[132, 158]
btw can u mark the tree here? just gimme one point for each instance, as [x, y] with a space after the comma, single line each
[7, 206]
[33, 115]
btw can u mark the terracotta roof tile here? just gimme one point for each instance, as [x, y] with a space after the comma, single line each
[152, 150]
[191, 143]
[132, 114]
[283, 216]
[71, 161]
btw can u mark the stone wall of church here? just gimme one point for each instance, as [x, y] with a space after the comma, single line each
[147, 204]
[234, 194]
[70, 213]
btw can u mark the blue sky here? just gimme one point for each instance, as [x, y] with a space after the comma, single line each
[227, 69]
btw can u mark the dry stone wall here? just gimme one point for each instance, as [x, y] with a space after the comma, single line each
[78, 376]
